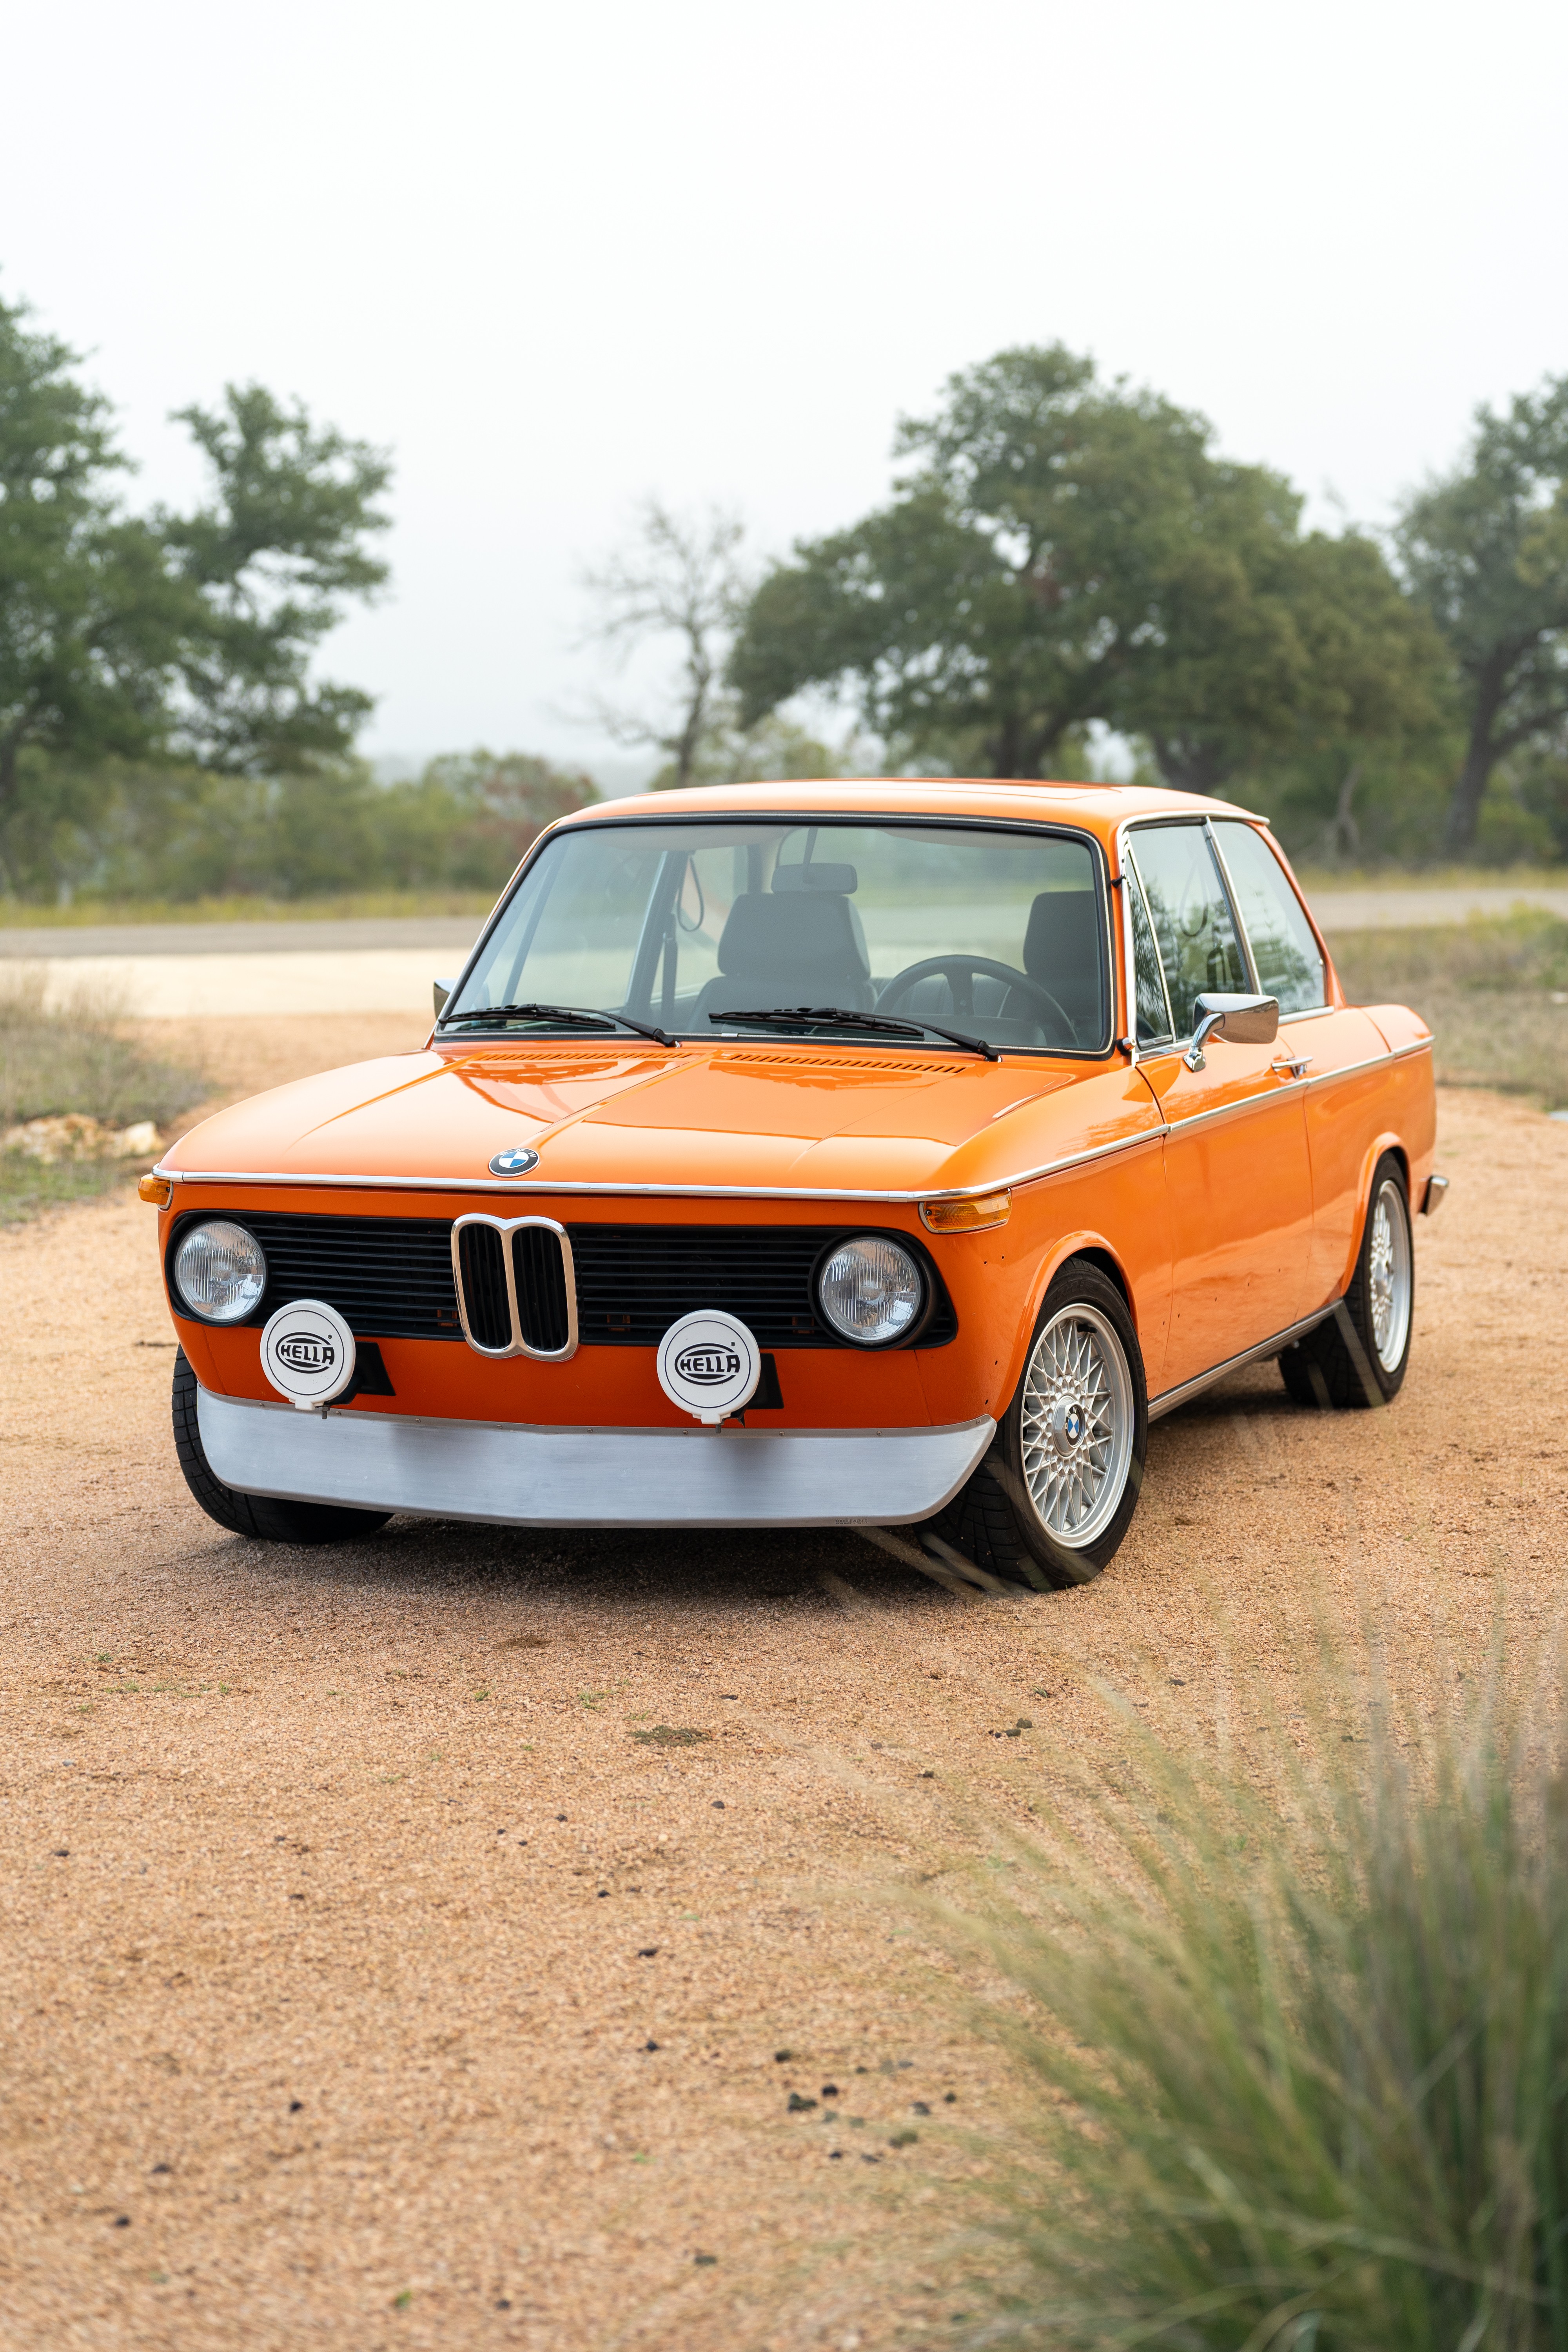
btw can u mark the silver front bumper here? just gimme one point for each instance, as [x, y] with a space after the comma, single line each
[544, 1477]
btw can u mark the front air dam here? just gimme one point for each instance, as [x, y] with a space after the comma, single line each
[520, 1475]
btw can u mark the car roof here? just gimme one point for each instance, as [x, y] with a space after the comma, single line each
[1096, 808]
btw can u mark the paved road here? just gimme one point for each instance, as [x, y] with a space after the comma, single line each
[180, 971]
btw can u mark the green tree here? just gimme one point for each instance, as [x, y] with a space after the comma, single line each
[183, 635]
[1485, 550]
[1065, 551]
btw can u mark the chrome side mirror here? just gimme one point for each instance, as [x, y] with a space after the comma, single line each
[1240, 1019]
[441, 989]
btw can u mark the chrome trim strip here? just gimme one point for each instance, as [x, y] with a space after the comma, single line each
[505, 1226]
[585, 1188]
[1172, 1398]
[521, 1474]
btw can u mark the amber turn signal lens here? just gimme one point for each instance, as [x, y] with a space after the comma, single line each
[156, 1189]
[966, 1217]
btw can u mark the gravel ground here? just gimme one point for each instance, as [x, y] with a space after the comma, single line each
[371, 1977]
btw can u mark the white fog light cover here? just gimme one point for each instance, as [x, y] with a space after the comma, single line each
[220, 1272]
[308, 1353]
[709, 1364]
[870, 1291]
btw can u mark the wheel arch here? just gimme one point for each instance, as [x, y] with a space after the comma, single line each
[1094, 1250]
[1393, 1145]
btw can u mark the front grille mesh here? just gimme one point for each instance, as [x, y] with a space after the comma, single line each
[634, 1281]
[480, 1255]
[389, 1277]
[540, 1274]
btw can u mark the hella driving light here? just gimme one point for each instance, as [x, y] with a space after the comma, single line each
[219, 1272]
[870, 1291]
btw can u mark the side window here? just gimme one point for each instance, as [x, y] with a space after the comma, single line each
[1191, 915]
[1152, 1021]
[1289, 958]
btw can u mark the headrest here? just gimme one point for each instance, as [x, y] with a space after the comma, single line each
[842, 878]
[763, 934]
[1062, 948]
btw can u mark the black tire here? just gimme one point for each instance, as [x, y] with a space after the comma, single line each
[1340, 1363]
[267, 1518]
[994, 1520]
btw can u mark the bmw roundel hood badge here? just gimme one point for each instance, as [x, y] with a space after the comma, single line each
[515, 1162]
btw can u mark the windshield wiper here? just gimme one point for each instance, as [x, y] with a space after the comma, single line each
[573, 1017]
[834, 1016]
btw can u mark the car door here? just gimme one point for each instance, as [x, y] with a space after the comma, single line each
[1335, 1054]
[1236, 1167]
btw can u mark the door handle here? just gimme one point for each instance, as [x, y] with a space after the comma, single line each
[1293, 1064]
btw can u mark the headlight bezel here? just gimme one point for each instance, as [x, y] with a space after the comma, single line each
[247, 1309]
[909, 1333]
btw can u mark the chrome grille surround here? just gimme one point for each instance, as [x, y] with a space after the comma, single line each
[492, 1268]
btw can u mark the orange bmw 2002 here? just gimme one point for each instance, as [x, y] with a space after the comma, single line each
[812, 1154]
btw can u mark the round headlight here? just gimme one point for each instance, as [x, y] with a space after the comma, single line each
[219, 1272]
[871, 1290]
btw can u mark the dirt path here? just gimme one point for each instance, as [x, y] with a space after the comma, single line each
[368, 1981]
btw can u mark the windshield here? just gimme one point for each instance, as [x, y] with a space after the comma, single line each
[996, 935]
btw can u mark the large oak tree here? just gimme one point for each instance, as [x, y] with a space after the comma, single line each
[1064, 551]
[190, 634]
[1485, 550]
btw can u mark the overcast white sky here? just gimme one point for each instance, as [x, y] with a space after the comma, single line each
[557, 257]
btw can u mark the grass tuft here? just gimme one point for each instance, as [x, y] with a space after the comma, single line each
[1304, 2065]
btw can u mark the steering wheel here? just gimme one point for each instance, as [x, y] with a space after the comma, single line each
[959, 971]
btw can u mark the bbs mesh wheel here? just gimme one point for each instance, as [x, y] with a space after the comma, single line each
[268, 1518]
[1359, 1354]
[1053, 1496]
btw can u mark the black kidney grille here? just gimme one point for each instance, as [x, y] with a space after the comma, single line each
[634, 1281]
[483, 1264]
[389, 1277]
[541, 1276]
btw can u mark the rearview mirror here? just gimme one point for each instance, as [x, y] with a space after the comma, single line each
[1239, 1020]
[441, 989]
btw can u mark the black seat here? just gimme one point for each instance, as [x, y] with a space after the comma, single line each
[800, 948]
[1064, 950]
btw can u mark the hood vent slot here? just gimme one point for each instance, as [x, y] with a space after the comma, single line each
[516, 1287]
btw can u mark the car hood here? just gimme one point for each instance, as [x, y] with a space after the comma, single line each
[838, 1121]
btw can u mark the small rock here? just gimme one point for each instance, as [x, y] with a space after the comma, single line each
[647, 1952]
[62, 1854]
[799, 2107]
[669, 1735]
[604, 1893]
[830, 2090]
[928, 1776]
[650, 2045]
[503, 2303]
[162, 2167]
[122, 2220]
[950, 2099]
[834, 2153]
[704, 2261]
[782, 2057]
[717, 1804]
[920, 2108]
[296, 2106]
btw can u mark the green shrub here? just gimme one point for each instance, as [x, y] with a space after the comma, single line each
[1305, 2075]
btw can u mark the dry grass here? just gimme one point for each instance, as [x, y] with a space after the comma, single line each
[1495, 992]
[73, 1058]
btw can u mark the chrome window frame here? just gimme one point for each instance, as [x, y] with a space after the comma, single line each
[1303, 1012]
[1169, 822]
[1105, 886]
[506, 1227]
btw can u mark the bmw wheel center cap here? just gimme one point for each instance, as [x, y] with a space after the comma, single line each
[308, 1353]
[710, 1365]
[515, 1162]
